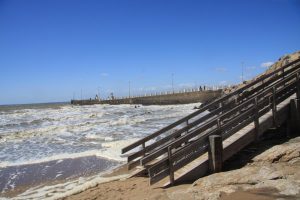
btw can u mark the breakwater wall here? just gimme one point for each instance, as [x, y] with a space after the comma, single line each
[160, 99]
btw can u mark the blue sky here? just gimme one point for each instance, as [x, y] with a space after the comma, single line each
[53, 49]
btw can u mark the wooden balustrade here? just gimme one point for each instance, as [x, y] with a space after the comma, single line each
[228, 114]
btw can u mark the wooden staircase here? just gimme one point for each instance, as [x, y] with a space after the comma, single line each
[184, 151]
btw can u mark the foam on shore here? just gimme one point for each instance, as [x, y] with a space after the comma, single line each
[44, 143]
[58, 191]
[111, 152]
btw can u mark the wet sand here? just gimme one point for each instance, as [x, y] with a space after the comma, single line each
[17, 179]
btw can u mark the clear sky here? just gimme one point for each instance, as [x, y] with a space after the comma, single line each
[53, 49]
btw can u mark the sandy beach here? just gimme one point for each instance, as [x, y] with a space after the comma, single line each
[133, 188]
[251, 174]
[55, 150]
[138, 188]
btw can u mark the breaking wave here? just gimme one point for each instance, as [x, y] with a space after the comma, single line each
[38, 135]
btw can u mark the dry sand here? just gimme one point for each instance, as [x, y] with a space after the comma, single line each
[133, 188]
[236, 175]
[137, 188]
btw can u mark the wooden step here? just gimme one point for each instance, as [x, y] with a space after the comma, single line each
[200, 166]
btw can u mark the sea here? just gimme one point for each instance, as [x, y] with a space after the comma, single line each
[49, 151]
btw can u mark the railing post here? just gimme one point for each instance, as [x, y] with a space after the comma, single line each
[236, 102]
[274, 106]
[187, 123]
[256, 119]
[187, 130]
[215, 153]
[171, 165]
[283, 76]
[294, 120]
[221, 106]
[294, 117]
[219, 126]
[298, 86]
[144, 149]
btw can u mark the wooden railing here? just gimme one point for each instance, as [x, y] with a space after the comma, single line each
[196, 122]
[225, 125]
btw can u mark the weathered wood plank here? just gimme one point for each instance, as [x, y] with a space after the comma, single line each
[177, 133]
[221, 99]
[187, 154]
[184, 163]
[178, 142]
[167, 140]
[286, 93]
[212, 104]
[215, 153]
[188, 136]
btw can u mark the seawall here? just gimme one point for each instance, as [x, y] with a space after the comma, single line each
[163, 99]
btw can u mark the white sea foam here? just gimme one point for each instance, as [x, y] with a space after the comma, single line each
[51, 158]
[111, 152]
[32, 136]
[58, 191]
[98, 137]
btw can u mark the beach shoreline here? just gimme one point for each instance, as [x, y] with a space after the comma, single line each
[51, 173]
[247, 176]
[55, 149]
[137, 188]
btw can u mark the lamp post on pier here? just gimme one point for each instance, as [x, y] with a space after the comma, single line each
[173, 82]
[243, 72]
[98, 94]
[129, 89]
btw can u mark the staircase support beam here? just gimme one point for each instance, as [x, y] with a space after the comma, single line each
[294, 117]
[215, 153]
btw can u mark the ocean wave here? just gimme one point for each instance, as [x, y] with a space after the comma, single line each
[28, 123]
[55, 129]
[37, 132]
[86, 128]
[111, 151]
[43, 135]
[126, 120]
[98, 137]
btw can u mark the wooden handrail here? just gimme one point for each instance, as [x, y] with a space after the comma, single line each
[204, 126]
[162, 166]
[180, 161]
[206, 107]
[166, 140]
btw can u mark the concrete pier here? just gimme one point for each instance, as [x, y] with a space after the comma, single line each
[161, 99]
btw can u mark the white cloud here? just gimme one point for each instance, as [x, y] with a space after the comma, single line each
[104, 74]
[266, 64]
